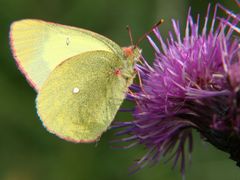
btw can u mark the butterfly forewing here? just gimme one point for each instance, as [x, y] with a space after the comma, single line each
[40, 46]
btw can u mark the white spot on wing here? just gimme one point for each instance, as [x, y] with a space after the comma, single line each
[75, 90]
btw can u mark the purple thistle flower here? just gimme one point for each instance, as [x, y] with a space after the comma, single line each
[194, 83]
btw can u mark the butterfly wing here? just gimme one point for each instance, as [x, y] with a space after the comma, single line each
[81, 96]
[40, 46]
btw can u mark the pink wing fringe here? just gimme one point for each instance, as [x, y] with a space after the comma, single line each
[18, 63]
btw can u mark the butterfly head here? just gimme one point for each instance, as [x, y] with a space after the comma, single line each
[132, 56]
[132, 53]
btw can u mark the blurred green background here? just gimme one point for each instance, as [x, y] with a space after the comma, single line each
[29, 152]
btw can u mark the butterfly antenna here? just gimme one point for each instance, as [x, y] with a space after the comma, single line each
[148, 32]
[130, 34]
[237, 2]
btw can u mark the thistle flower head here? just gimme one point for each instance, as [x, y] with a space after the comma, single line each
[194, 83]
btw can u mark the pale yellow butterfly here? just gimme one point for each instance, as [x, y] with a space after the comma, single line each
[80, 76]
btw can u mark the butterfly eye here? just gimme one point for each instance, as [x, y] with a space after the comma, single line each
[128, 51]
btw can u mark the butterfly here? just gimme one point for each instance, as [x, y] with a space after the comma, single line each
[81, 78]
